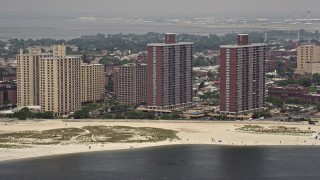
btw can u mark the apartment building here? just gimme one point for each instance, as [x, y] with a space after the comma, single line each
[169, 83]
[28, 76]
[242, 77]
[60, 84]
[308, 59]
[57, 82]
[130, 84]
[92, 82]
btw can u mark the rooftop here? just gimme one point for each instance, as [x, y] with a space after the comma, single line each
[237, 46]
[65, 57]
[173, 44]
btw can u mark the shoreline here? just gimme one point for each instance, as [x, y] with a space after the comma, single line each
[144, 147]
[190, 133]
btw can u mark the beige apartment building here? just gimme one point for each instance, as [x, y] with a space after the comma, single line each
[92, 82]
[130, 85]
[28, 76]
[57, 82]
[308, 59]
[60, 84]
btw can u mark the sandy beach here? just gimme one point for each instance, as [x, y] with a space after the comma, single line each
[189, 132]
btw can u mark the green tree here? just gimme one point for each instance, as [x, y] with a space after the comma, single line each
[264, 113]
[150, 115]
[275, 101]
[295, 101]
[210, 74]
[47, 115]
[201, 85]
[306, 82]
[318, 106]
[201, 62]
[109, 86]
[316, 78]
[23, 114]
[165, 117]
[81, 114]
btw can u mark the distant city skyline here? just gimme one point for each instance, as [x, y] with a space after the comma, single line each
[152, 7]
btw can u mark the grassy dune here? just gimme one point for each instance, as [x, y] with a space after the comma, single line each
[87, 134]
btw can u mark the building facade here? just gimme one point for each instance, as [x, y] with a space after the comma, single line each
[8, 94]
[57, 82]
[242, 77]
[130, 85]
[285, 92]
[294, 91]
[92, 82]
[60, 89]
[169, 74]
[28, 76]
[308, 59]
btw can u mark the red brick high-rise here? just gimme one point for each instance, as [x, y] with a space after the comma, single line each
[242, 77]
[169, 82]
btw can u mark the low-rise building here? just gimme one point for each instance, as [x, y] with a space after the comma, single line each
[285, 92]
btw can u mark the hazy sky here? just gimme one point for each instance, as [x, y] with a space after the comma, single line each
[161, 6]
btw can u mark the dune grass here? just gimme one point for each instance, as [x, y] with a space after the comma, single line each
[277, 130]
[87, 134]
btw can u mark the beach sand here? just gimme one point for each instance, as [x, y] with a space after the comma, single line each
[189, 132]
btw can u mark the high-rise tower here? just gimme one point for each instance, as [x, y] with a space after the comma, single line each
[131, 84]
[57, 82]
[242, 77]
[169, 82]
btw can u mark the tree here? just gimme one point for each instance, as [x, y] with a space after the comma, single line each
[132, 115]
[173, 116]
[109, 87]
[263, 113]
[81, 114]
[305, 82]
[295, 101]
[201, 85]
[210, 74]
[222, 117]
[318, 106]
[275, 101]
[201, 61]
[150, 115]
[47, 115]
[316, 78]
[165, 117]
[287, 82]
[23, 114]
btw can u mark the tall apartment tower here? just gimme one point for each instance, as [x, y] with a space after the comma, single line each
[131, 84]
[169, 80]
[60, 84]
[57, 82]
[92, 82]
[28, 76]
[308, 59]
[242, 77]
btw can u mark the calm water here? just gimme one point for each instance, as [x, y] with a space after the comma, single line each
[71, 27]
[173, 162]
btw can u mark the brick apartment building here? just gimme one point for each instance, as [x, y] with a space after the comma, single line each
[169, 84]
[242, 77]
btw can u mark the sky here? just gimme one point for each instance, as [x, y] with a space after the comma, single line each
[160, 6]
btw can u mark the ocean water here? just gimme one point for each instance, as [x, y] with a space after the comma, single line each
[182, 162]
[69, 27]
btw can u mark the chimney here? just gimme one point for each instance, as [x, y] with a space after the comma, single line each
[170, 38]
[243, 39]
